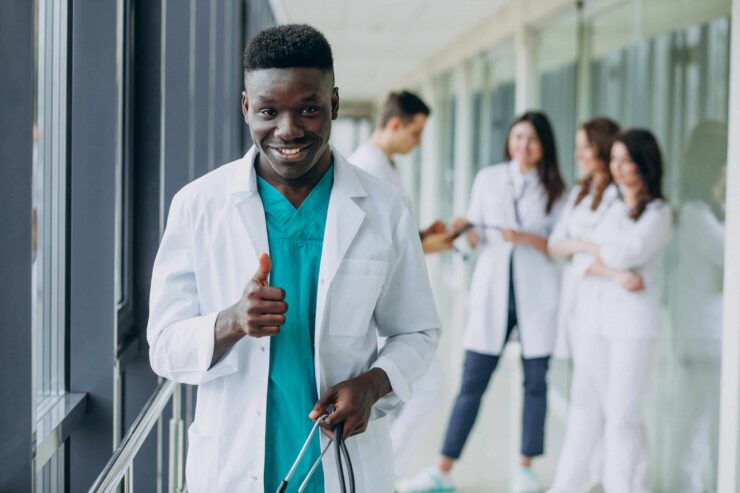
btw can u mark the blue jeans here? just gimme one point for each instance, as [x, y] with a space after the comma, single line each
[477, 372]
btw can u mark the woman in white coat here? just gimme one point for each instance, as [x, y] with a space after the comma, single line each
[615, 325]
[587, 203]
[514, 207]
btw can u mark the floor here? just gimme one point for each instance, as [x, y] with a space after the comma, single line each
[492, 451]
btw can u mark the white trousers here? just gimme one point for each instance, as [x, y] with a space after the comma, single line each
[413, 425]
[605, 440]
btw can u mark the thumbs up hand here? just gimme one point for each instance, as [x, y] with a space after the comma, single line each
[261, 310]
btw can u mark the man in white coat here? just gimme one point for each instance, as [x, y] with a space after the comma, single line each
[269, 339]
[401, 122]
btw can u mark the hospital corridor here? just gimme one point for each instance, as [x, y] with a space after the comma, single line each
[389, 246]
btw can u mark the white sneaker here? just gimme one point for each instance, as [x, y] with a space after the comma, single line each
[525, 481]
[430, 480]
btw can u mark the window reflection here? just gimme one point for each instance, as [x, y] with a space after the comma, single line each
[672, 78]
[696, 303]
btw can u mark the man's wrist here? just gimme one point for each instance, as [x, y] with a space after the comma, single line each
[227, 326]
[380, 383]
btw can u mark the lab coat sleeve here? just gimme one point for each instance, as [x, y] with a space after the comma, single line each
[558, 208]
[476, 214]
[405, 314]
[650, 237]
[560, 231]
[181, 338]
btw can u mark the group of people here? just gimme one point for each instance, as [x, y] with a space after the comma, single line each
[291, 287]
[601, 307]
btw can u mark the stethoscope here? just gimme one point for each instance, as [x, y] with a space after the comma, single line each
[340, 448]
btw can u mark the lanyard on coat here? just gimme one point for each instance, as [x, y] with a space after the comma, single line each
[517, 198]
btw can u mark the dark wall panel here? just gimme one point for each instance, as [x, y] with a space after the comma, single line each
[200, 144]
[16, 121]
[176, 98]
[93, 141]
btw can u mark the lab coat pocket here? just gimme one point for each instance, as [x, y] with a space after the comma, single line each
[354, 293]
[202, 458]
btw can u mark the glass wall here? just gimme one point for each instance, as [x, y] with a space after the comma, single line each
[557, 78]
[445, 108]
[493, 93]
[347, 134]
[669, 73]
[49, 217]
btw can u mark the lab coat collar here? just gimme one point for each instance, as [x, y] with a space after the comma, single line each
[518, 177]
[244, 176]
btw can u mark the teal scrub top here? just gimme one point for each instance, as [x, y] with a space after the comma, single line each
[295, 238]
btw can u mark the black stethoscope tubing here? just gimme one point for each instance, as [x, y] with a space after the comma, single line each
[341, 452]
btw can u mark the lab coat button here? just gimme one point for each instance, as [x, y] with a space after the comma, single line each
[259, 413]
[262, 348]
[255, 477]
[322, 280]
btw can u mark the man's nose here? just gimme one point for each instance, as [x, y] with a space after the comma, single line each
[288, 128]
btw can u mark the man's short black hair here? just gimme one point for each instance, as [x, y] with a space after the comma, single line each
[288, 46]
[404, 105]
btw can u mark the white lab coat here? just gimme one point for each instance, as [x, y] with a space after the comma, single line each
[614, 335]
[536, 276]
[372, 159]
[373, 280]
[578, 221]
[604, 306]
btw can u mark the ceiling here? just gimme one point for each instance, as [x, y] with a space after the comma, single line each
[377, 42]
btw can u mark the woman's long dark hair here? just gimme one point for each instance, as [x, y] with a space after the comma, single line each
[601, 133]
[547, 169]
[645, 153]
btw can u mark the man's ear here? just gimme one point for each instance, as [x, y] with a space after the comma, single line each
[394, 123]
[335, 103]
[245, 106]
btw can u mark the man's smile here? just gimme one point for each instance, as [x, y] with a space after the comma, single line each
[291, 152]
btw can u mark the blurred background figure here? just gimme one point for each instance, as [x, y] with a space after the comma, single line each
[513, 208]
[401, 122]
[580, 459]
[617, 309]
[696, 300]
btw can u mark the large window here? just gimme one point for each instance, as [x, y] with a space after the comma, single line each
[669, 73]
[557, 77]
[49, 268]
[493, 93]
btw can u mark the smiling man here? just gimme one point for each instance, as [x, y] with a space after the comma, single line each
[275, 276]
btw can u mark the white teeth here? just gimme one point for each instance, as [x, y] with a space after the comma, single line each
[290, 152]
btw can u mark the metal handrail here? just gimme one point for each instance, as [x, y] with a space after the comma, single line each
[123, 456]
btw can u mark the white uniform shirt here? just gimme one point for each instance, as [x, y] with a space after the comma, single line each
[578, 221]
[603, 306]
[372, 159]
[372, 280]
[536, 276]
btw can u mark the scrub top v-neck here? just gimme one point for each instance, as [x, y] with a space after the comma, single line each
[295, 237]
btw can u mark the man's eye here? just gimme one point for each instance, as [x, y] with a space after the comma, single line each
[310, 110]
[267, 112]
